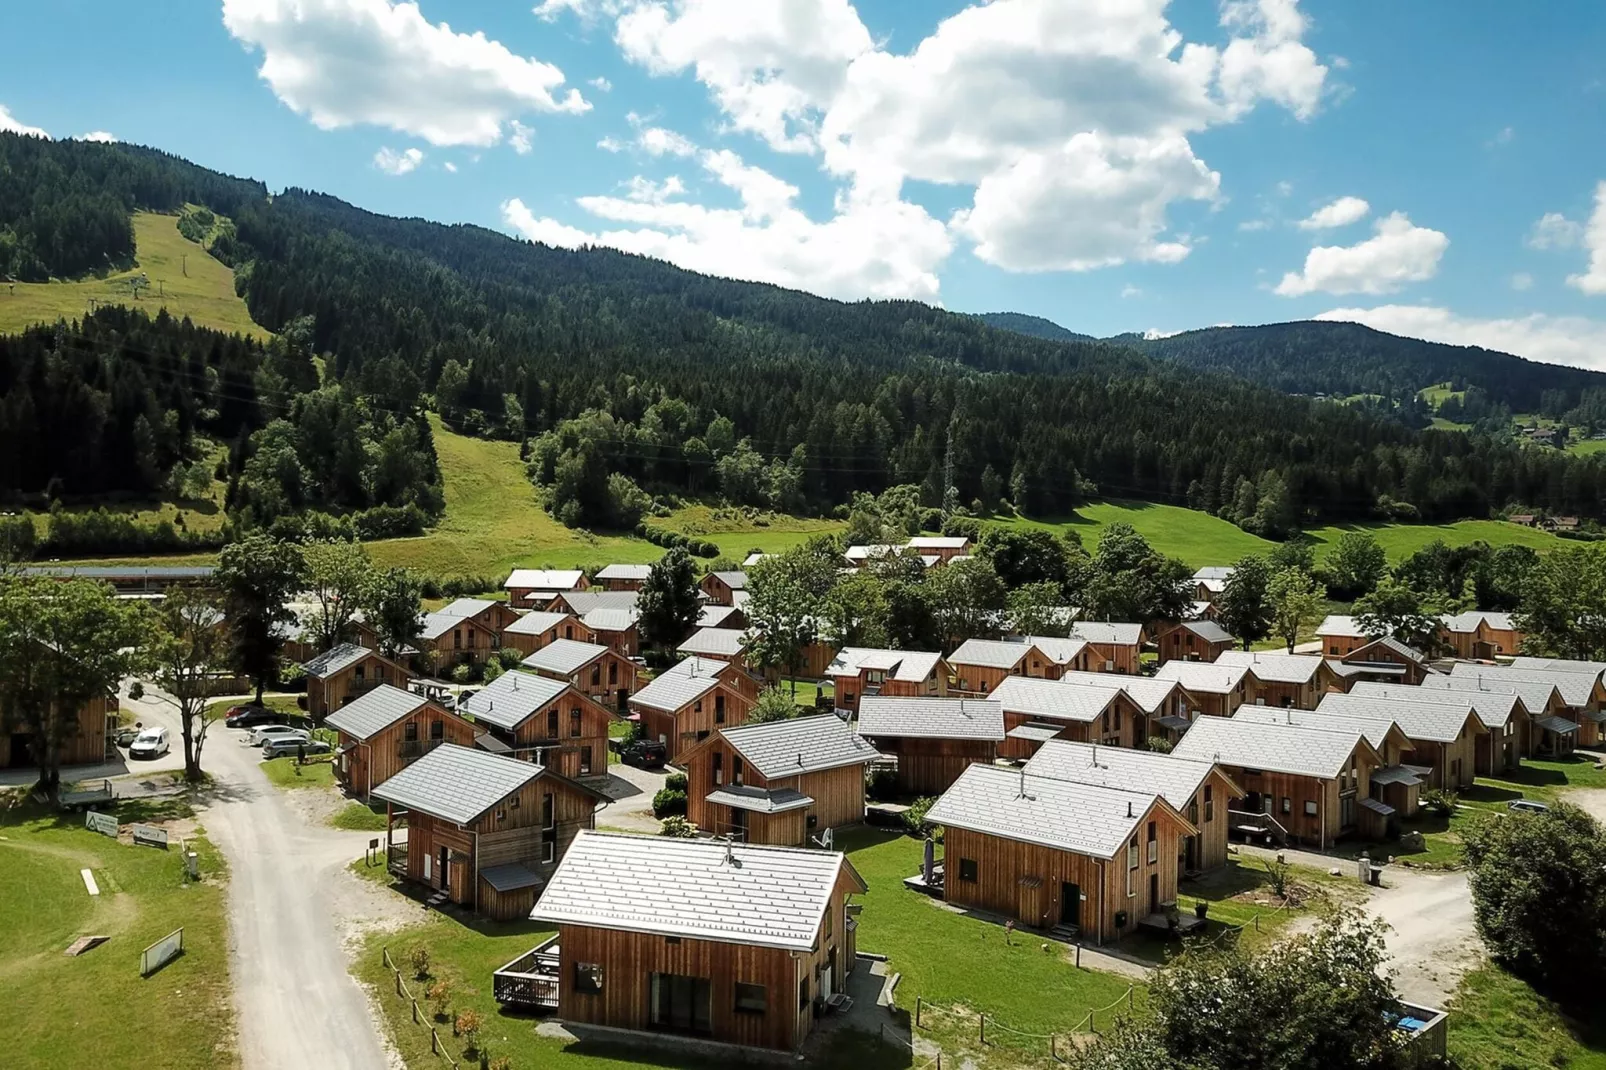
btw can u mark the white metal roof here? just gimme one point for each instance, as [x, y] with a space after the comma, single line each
[931, 718]
[546, 579]
[1061, 814]
[564, 656]
[1559, 665]
[1222, 573]
[1203, 677]
[990, 653]
[512, 698]
[727, 641]
[375, 711]
[800, 745]
[1107, 633]
[1277, 748]
[536, 623]
[696, 666]
[582, 602]
[1575, 688]
[1148, 692]
[336, 658]
[466, 607]
[1535, 695]
[624, 572]
[1438, 722]
[1208, 630]
[1059, 650]
[1052, 699]
[603, 619]
[1469, 621]
[938, 542]
[1174, 779]
[910, 666]
[735, 580]
[671, 690]
[760, 800]
[438, 623]
[712, 616]
[1340, 625]
[702, 889]
[1493, 708]
[1272, 667]
[457, 784]
[1374, 729]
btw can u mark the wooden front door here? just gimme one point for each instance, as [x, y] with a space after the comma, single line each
[443, 869]
[1070, 905]
[1154, 893]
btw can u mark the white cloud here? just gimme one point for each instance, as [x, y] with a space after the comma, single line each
[600, 84]
[656, 141]
[100, 136]
[451, 168]
[1270, 63]
[1553, 339]
[1341, 213]
[1131, 291]
[520, 137]
[649, 192]
[1554, 231]
[1522, 281]
[1399, 253]
[868, 248]
[1251, 225]
[345, 62]
[1593, 279]
[588, 11]
[392, 162]
[9, 125]
[1502, 137]
[611, 144]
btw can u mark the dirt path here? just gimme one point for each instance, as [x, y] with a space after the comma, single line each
[1590, 800]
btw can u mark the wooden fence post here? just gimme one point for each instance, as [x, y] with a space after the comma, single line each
[415, 1010]
[398, 983]
[1079, 956]
[918, 1005]
[984, 1029]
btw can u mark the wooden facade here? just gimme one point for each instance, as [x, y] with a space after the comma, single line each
[1114, 657]
[977, 681]
[362, 763]
[1382, 653]
[718, 589]
[87, 736]
[527, 642]
[1122, 724]
[682, 729]
[838, 796]
[523, 596]
[325, 693]
[466, 641]
[850, 686]
[1181, 643]
[569, 735]
[609, 678]
[930, 766]
[1483, 642]
[625, 641]
[1313, 810]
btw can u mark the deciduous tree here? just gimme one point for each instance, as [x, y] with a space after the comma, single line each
[1296, 600]
[391, 605]
[188, 641]
[669, 604]
[257, 576]
[337, 575]
[1355, 565]
[1245, 607]
[1393, 609]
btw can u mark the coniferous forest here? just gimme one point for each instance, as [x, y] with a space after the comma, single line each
[624, 374]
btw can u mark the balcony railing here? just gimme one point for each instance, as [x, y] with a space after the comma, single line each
[409, 749]
[531, 980]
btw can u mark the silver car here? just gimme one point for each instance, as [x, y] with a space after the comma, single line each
[278, 748]
[261, 735]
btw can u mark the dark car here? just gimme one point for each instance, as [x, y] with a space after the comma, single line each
[644, 754]
[252, 716]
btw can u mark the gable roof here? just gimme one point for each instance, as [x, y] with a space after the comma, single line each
[990, 653]
[1437, 722]
[564, 656]
[671, 690]
[372, 713]
[700, 666]
[1493, 708]
[931, 718]
[1388, 642]
[938, 542]
[535, 623]
[910, 666]
[1174, 779]
[603, 619]
[513, 698]
[727, 641]
[457, 784]
[1063, 814]
[582, 602]
[1278, 748]
[800, 745]
[1274, 668]
[1535, 695]
[1222, 573]
[1376, 730]
[1469, 621]
[1340, 625]
[735, 580]
[1575, 688]
[1204, 677]
[438, 623]
[1559, 665]
[713, 615]
[1107, 633]
[703, 889]
[1208, 630]
[623, 572]
[336, 659]
[544, 579]
[466, 607]
[1148, 693]
[1052, 699]
[1061, 651]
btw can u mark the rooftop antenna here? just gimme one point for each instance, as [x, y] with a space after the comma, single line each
[1129, 812]
[730, 855]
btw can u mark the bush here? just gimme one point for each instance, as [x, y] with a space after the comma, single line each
[100, 531]
[675, 781]
[966, 526]
[1159, 744]
[418, 959]
[669, 803]
[492, 670]
[914, 818]
[931, 520]
[1440, 799]
[881, 783]
[468, 1026]
[462, 674]
[677, 828]
[509, 657]
[440, 993]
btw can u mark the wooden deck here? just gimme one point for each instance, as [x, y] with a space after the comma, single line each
[531, 980]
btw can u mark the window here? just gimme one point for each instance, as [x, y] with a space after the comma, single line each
[828, 914]
[1288, 805]
[437, 730]
[613, 672]
[410, 732]
[552, 722]
[457, 639]
[1117, 718]
[549, 815]
[1132, 854]
[568, 631]
[549, 829]
[501, 816]
[736, 770]
[574, 722]
[596, 674]
[1193, 810]
[585, 760]
[1154, 845]
[803, 993]
[697, 707]
[751, 999]
[718, 769]
[1210, 805]
[1106, 720]
[1310, 807]
[588, 978]
[513, 803]
[967, 869]
[719, 709]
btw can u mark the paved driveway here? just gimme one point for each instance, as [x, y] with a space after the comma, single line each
[631, 790]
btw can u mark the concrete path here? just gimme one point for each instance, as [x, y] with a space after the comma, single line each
[298, 1004]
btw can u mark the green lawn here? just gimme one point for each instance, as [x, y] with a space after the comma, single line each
[286, 774]
[358, 817]
[1537, 779]
[192, 284]
[1588, 446]
[1402, 540]
[95, 1010]
[1498, 1022]
[806, 690]
[285, 704]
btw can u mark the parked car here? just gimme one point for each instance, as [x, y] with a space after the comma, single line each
[283, 745]
[251, 716]
[261, 735]
[644, 754]
[1527, 806]
[128, 733]
[150, 743]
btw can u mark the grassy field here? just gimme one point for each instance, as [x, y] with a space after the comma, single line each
[96, 1010]
[1588, 446]
[286, 774]
[358, 817]
[205, 294]
[1498, 1022]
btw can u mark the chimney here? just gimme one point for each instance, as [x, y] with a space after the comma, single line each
[1129, 812]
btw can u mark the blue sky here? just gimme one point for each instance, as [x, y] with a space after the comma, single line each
[1431, 168]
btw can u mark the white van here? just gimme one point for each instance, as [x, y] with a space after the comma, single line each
[151, 743]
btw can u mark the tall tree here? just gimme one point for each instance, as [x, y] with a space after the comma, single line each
[1393, 609]
[854, 612]
[1128, 581]
[62, 646]
[1355, 564]
[392, 608]
[258, 575]
[783, 608]
[1245, 607]
[1025, 555]
[1563, 610]
[338, 576]
[967, 601]
[1296, 601]
[669, 604]
[188, 641]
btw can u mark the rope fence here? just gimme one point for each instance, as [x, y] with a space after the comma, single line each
[435, 1044]
[991, 1031]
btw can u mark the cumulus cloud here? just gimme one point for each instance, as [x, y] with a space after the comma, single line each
[520, 138]
[867, 248]
[345, 62]
[1593, 279]
[588, 11]
[600, 84]
[1399, 253]
[9, 125]
[1554, 231]
[1340, 213]
[451, 168]
[392, 162]
[1553, 339]
[98, 135]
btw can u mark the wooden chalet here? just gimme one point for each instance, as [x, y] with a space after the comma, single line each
[1578, 699]
[721, 587]
[783, 782]
[447, 640]
[1550, 734]
[85, 734]
[857, 672]
[616, 628]
[1199, 791]
[681, 708]
[1313, 784]
[1036, 711]
[383, 731]
[1165, 705]
[1509, 735]
[1583, 690]
[1111, 647]
[1392, 783]
[622, 577]
[732, 943]
[718, 644]
[543, 720]
[1193, 640]
[345, 673]
[483, 830]
[1214, 689]
[537, 628]
[1340, 634]
[1297, 681]
[1057, 854]
[932, 739]
[579, 603]
[944, 548]
[1210, 581]
[979, 665]
[1385, 661]
[717, 616]
[598, 671]
[1443, 734]
[1480, 635]
[535, 588]
[491, 613]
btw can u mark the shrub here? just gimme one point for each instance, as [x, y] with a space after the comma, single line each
[493, 669]
[967, 526]
[881, 783]
[418, 958]
[1441, 799]
[668, 803]
[677, 828]
[675, 781]
[440, 993]
[931, 520]
[914, 818]
[509, 657]
[462, 674]
[468, 1026]
[1159, 744]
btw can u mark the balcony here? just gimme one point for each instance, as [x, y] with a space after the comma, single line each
[531, 980]
[410, 749]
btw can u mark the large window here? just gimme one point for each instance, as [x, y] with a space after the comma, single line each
[549, 828]
[967, 869]
[681, 1004]
[751, 999]
[552, 722]
[588, 977]
[1154, 845]
[1210, 805]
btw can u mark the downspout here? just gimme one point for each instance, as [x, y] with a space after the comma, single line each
[1323, 819]
[1103, 881]
[476, 871]
[370, 767]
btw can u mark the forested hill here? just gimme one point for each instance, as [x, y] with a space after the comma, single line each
[628, 375]
[1035, 326]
